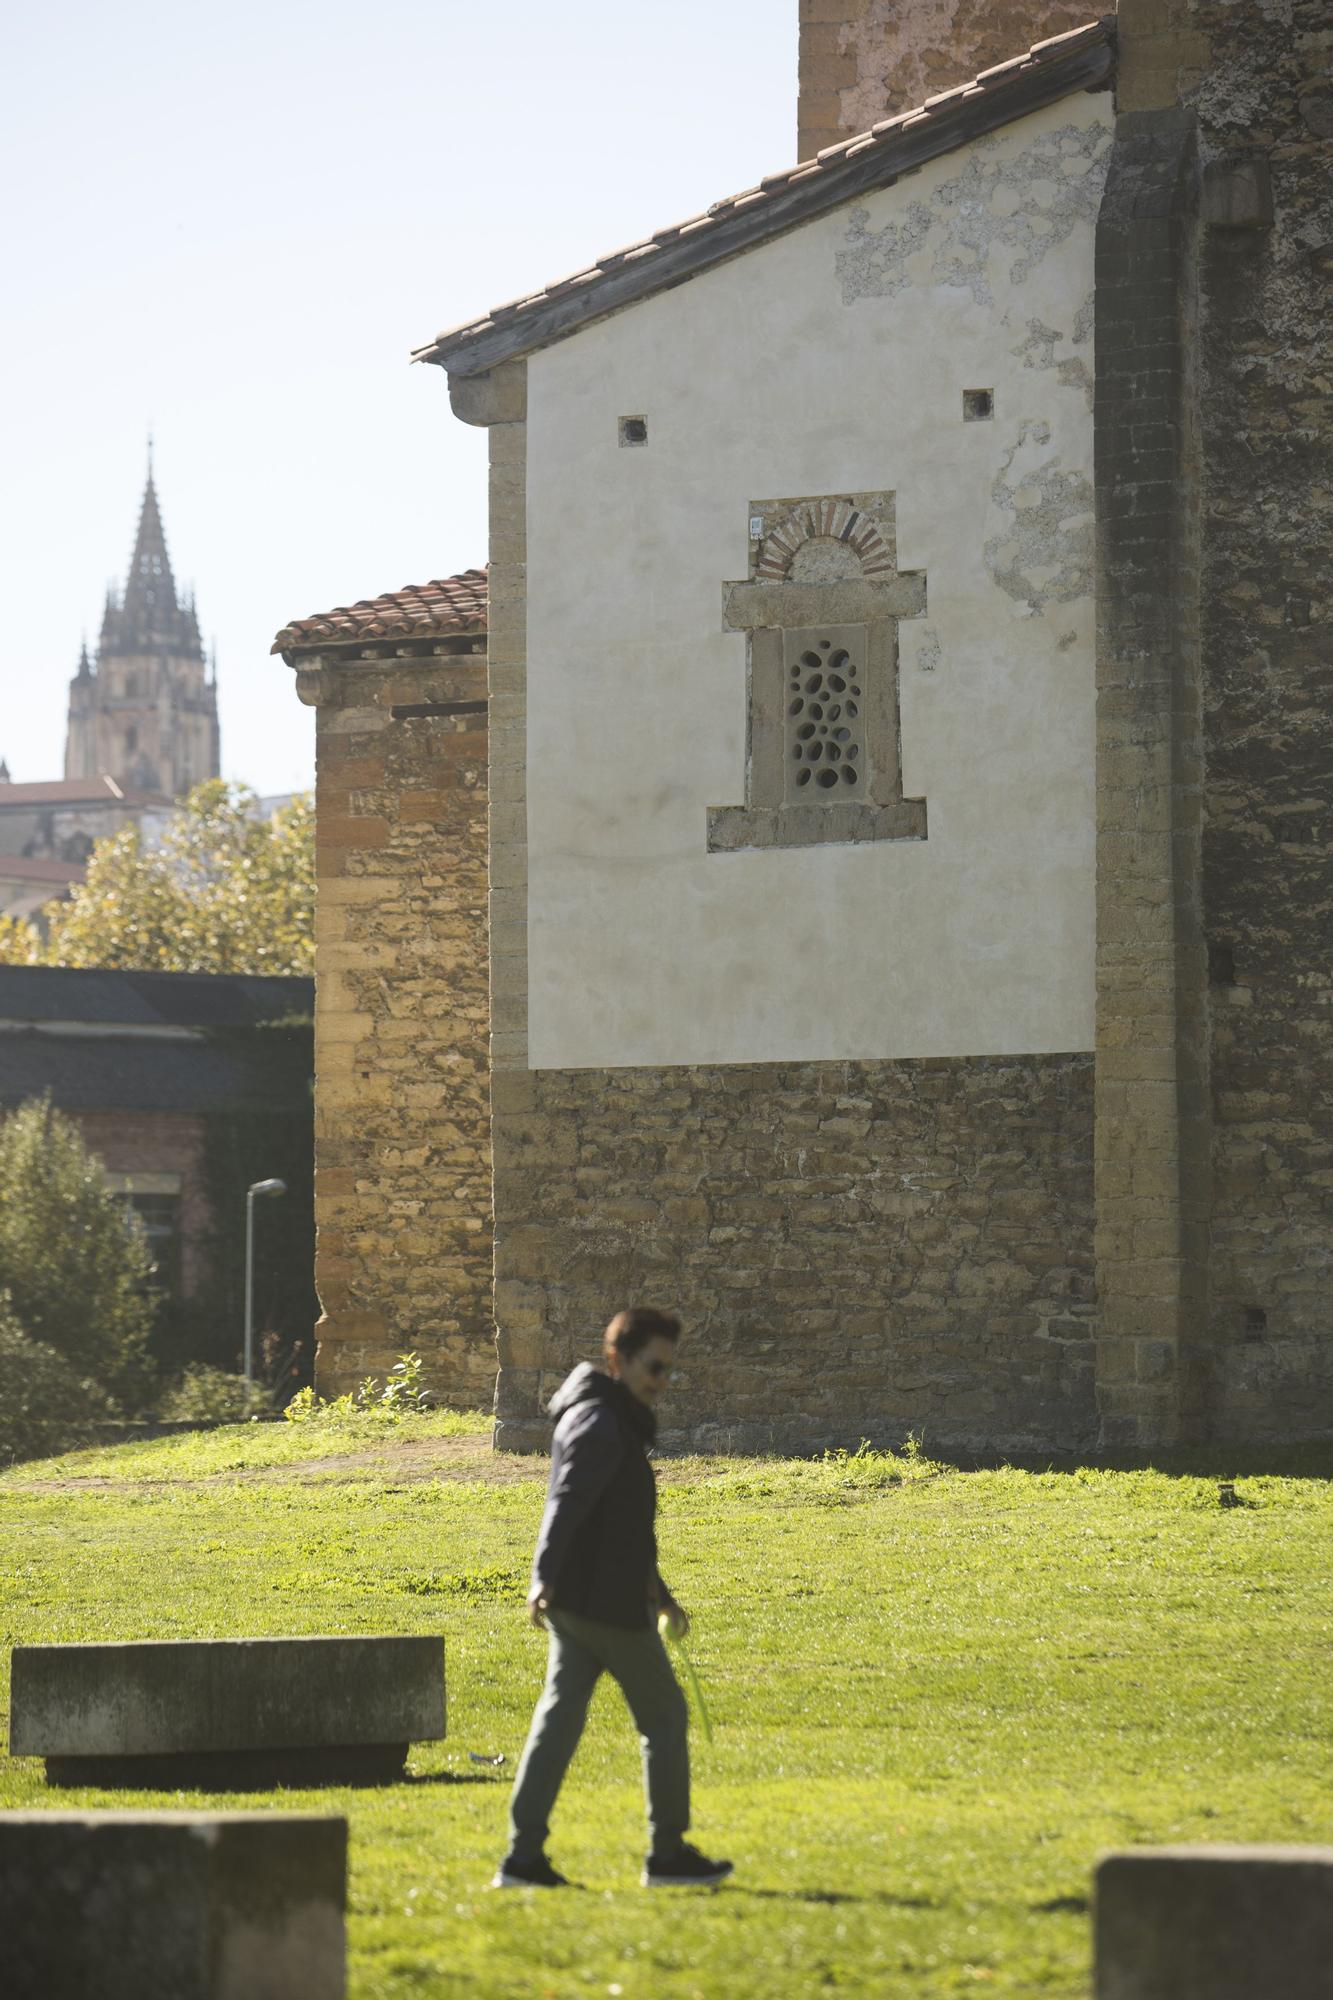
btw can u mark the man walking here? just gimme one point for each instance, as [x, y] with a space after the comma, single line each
[597, 1589]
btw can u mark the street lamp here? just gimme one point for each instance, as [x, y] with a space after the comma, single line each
[260, 1187]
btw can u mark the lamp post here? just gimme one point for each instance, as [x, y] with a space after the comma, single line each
[260, 1187]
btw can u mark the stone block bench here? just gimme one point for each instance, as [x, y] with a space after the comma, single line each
[239, 1714]
[1215, 1923]
[172, 1906]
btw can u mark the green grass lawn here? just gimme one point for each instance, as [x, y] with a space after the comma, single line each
[936, 1696]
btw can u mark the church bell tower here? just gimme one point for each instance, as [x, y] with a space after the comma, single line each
[146, 713]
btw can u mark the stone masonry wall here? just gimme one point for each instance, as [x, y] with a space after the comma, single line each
[402, 1143]
[1152, 1084]
[1246, 82]
[1265, 115]
[863, 60]
[856, 1249]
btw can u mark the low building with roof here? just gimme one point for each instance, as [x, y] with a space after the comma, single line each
[187, 1087]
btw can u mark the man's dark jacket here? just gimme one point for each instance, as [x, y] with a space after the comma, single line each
[597, 1550]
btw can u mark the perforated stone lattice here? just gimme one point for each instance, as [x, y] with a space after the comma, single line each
[825, 730]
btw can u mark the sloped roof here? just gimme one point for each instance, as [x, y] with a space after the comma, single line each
[103, 791]
[1083, 59]
[446, 605]
[150, 999]
[39, 868]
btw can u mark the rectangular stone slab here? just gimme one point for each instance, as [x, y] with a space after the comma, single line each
[172, 1906]
[1215, 1923]
[167, 1697]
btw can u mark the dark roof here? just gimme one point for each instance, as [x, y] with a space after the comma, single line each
[103, 791]
[149, 999]
[1081, 60]
[446, 605]
[105, 1074]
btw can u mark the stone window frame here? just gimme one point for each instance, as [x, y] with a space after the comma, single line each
[821, 567]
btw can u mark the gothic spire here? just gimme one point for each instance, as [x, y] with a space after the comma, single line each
[149, 617]
[150, 588]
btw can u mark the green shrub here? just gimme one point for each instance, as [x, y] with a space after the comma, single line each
[401, 1396]
[75, 1264]
[207, 1395]
[44, 1406]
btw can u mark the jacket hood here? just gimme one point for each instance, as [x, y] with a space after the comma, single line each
[586, 1384]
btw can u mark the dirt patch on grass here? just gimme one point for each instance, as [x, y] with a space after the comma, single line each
[395, 1461]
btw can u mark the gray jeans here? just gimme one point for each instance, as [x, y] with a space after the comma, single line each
[580, 1652]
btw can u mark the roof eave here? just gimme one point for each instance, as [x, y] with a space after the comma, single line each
[862, 168]
[303, 648]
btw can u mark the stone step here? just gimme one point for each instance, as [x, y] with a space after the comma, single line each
[1215, 1923]
[172, 1906]
[239, 1713]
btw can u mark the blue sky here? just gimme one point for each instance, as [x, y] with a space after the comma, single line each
[234, 224]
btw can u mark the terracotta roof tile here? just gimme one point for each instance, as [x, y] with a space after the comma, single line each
[1079, 60]
[39, 868]
[446, 605]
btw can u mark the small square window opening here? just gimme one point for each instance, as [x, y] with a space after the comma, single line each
[633, 430]
[978, 405]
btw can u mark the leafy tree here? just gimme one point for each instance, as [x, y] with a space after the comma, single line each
[75, 1265]
[223, 891]
[44, 1405]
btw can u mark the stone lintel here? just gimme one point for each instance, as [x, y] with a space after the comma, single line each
[732, 827]
[755, 607]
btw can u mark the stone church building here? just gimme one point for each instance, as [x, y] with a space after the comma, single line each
[906, 936]
[145, 712]
[143, 728]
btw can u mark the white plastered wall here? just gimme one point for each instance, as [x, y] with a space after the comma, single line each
[832, 360]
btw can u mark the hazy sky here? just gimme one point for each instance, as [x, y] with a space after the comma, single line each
[233, 224]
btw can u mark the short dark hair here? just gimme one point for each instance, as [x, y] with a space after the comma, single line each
[630, 1331]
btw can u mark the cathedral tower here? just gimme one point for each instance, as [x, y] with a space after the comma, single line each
[146, 714]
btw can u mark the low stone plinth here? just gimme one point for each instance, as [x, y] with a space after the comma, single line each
[172, 1906]
[1215, 1923]
[235, 1713]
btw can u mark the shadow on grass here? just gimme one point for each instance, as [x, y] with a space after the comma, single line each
[1212, 1461]
[879, 1897]
[456, 1778]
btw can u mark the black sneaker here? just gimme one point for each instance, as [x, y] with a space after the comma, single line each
[537, 1874]
[685, 1869]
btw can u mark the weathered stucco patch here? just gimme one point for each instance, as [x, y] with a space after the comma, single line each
[1037, 350]
[1017, 206]
[1044, 554]
[928, 653]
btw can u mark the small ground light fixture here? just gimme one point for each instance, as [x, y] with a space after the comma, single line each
[270, 1187]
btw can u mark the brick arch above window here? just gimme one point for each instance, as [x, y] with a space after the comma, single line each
[830, 519]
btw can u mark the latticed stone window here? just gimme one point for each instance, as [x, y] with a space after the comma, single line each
[821, 607]
[825, 724]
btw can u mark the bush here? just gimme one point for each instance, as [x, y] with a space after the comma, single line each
[44, 1406]
[207, 1395]
[401, 1396]
[75, 1265]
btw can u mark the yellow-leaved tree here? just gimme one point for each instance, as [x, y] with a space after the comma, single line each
[223, 890]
